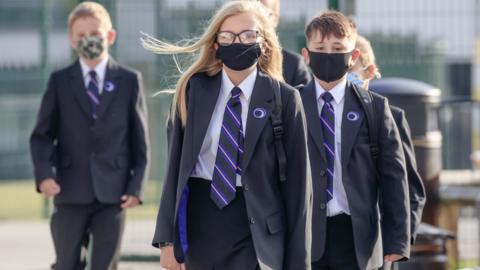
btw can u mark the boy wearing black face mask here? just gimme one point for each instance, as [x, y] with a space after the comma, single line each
[348, 181]
[89, 146]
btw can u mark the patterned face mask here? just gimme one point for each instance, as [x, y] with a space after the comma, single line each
[90, 47]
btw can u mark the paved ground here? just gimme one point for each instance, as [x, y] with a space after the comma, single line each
[28, 246]
[468, 239]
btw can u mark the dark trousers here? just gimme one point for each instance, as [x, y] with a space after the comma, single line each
[339, 246]
[217, 239]
[71, 227]
[393, 267]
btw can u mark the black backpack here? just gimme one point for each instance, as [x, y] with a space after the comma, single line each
[277, 124]
[366, 100]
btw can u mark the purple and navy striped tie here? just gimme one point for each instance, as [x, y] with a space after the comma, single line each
[229, 153]
[93, 93]
[327, 117]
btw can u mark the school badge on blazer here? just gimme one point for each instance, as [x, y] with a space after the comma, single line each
[353, 116]
[109, 86]
[259, 113]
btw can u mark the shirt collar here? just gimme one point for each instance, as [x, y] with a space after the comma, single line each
[246, 85]
[100, 69]
[338, 92]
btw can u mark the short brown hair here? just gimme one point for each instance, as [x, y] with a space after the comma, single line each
[90, 9]
[331, 22]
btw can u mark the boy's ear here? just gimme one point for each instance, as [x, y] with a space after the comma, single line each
[111, 36]
[371, 71]
[354, 58]
[306, 56]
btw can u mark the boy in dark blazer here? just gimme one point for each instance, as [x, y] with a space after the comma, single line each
[89, 146]
[415, 184]
[352, 228]
[362, 72]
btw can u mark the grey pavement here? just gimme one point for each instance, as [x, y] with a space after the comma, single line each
[27, 245]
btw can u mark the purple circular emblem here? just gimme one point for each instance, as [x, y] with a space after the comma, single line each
[353, 116]
[109, 86]
[259, 113]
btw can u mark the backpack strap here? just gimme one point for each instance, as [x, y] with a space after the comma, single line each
[366, 100]
[299, 86]
[277, 123]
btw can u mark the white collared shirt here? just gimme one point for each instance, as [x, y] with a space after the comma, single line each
[338, 204]
[100, 69]
[208, 153]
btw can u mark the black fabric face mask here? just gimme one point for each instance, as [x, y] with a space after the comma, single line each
[329, 67]
[239, 56]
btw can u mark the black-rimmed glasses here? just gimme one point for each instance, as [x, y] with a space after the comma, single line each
[227, 38]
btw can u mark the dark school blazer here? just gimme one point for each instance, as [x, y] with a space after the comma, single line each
[373, 236]
[295, 70]
[279, 212]
[415, 184]
[101, 159]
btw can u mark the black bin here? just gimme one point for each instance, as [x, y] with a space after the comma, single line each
[429, 251]
[420, 102]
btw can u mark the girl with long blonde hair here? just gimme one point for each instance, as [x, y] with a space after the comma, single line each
[223, 204]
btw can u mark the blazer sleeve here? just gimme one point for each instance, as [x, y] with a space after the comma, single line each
[164, 229]
[415, 184]
[44, 134]
[302, 73]
[297, 189]
[139, 143]
[395, 204]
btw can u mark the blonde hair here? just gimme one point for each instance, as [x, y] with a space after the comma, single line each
[276, 6]
[269, 62]
[367, 57]
[90, 9]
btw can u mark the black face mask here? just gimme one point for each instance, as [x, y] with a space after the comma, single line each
[239, 56]
[329, 67]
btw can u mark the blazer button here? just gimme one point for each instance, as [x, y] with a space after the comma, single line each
[322, 173]
[252, 221]
[245, 187]
[322, 206]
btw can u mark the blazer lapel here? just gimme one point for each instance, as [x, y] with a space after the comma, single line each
[261, 99]
[79, 90]
[352, 119]
[310, 105]
[111, 86]
[205, 91]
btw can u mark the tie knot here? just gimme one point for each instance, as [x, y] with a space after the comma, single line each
[92, 74]
[327, 97]
[236, 91]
